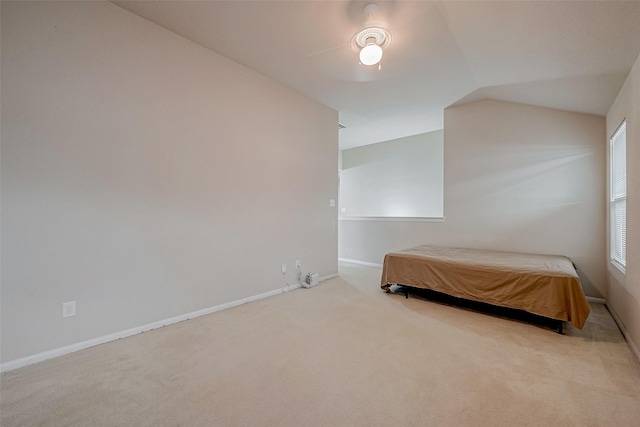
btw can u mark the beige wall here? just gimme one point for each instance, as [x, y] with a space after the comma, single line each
[623, 291]
[517, 178]
[145, 177]
[398, 178]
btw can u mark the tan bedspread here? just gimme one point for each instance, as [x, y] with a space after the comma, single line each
[546, 285]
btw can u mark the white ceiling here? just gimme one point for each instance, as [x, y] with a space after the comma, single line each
[572, 55]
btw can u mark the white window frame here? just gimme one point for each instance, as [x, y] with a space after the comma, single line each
[618, 196]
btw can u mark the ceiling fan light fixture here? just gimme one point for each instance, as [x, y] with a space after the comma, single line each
[371, 54]
[370, 43]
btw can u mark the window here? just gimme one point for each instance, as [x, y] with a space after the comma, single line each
[618, 178]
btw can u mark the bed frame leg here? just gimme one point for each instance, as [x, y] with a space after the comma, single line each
[560, 331]
[406, 292]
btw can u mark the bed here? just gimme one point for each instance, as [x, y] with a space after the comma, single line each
[545, 285]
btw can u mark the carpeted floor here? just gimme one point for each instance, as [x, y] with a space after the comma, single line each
[343, 353]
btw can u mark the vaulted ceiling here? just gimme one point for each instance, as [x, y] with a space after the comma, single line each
[571, 55]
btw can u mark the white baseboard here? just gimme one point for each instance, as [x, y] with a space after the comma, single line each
[355, 261]
[330, 276]
[627, 337]
[597, 300]
[50, 354]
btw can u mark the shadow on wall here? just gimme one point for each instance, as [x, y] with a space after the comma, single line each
[588, 286]
[530, 179]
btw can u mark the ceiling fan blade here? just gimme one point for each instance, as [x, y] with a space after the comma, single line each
[331, 49]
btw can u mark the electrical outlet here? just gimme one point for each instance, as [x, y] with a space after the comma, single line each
[297, 263]
[68, 309]
[284, 268]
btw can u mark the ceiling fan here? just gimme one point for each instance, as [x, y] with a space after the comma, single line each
[368, 43]
[371, 41]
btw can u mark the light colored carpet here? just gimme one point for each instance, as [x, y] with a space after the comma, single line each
[340, 354]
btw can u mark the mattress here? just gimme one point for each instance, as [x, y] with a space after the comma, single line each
[546, 285]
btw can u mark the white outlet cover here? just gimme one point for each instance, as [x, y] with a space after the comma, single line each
[332, 202]
[68, 309]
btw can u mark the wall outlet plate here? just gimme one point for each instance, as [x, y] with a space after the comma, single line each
[68, 309]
